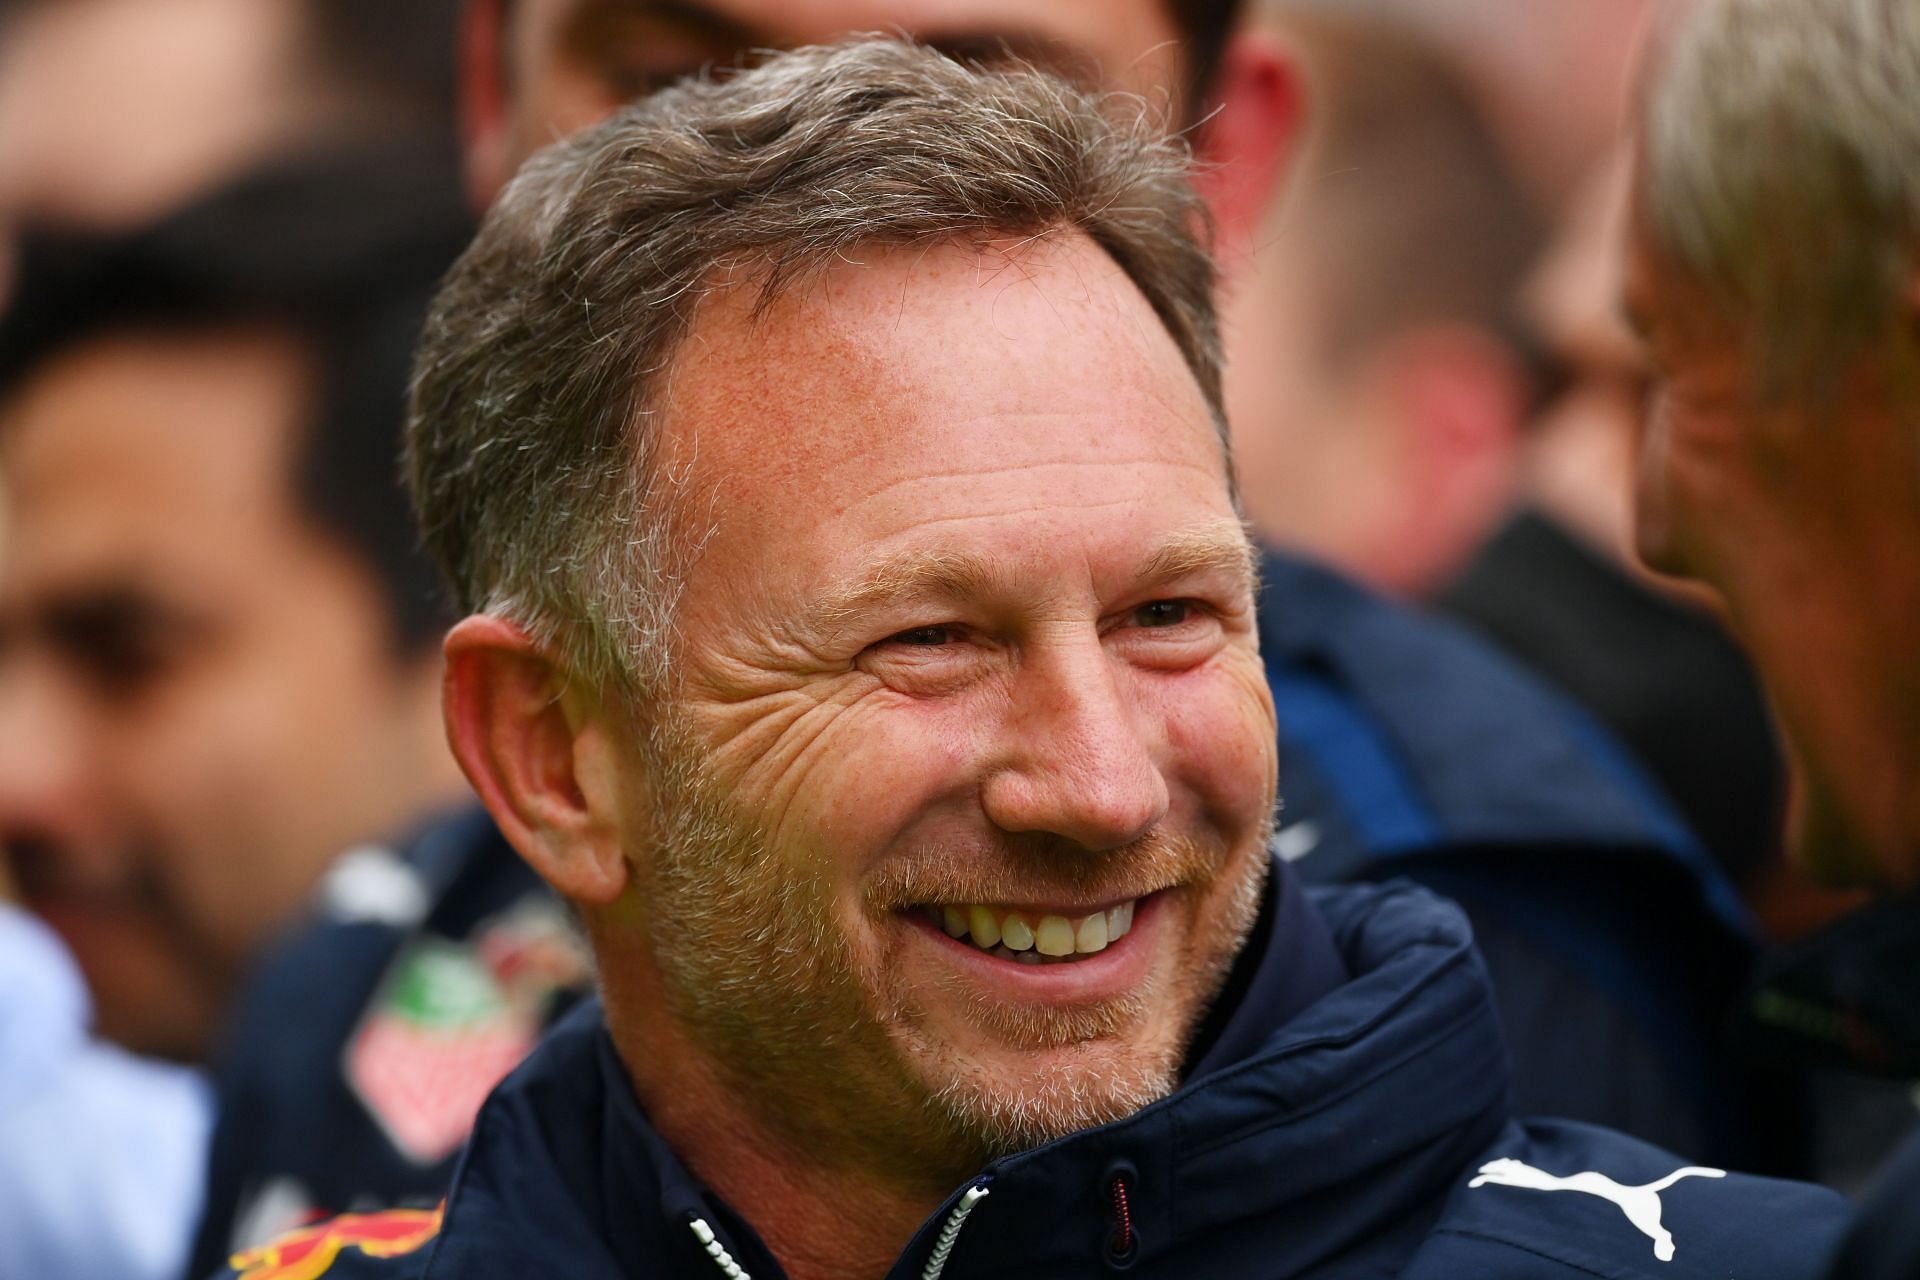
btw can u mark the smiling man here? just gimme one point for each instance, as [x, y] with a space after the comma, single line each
[861, 636]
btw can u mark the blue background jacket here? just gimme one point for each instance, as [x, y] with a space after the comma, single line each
[1343, 1143]
[1618, 949]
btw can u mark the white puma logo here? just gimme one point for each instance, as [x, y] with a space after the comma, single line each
[1640, 1204]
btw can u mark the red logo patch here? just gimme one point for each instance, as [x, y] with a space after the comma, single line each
[311, 1251]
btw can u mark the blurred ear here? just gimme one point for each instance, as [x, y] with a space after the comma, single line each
[1458, 397]
[1250, 125]
[1465, 391]
[539, 752]
[485, 136]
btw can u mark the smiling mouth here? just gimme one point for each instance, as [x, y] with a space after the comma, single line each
[1028, 937]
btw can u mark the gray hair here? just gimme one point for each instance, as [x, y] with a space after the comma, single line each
[1782, 170]
[534, 424]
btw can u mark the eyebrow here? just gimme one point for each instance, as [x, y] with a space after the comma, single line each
[1221, 547]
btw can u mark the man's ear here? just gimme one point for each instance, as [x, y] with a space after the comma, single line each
[1457, 400]
[1249, 127]
[485, 118]
[540, 754]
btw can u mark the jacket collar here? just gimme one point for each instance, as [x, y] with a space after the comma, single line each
[1365, 1106]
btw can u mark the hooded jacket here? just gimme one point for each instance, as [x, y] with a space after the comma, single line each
[1367, 1136]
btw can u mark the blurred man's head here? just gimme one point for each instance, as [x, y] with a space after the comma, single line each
[116, 112]
[217, 641]
[1553, 75]
[863, 627]
[536, 70]
[1775, 272]
[1375, 402]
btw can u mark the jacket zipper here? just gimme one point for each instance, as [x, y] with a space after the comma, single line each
[717, 1251]
[937, 1260]
[1122, 1246]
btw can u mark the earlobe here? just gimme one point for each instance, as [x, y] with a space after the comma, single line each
[1245, 142]
[540, 758]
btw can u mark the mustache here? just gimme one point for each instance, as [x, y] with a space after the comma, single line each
[1036, 867]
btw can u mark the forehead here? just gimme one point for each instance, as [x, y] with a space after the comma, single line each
[936, 390]
[1128, 42]
[137, 450]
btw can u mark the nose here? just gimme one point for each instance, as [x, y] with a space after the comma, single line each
[1079, 757]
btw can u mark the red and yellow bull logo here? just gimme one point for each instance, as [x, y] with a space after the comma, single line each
[311, 1251]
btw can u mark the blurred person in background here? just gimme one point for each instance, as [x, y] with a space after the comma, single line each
[1552, 75]
[1775, 273]
[1406, 748]
[1558, 585]
[219, 687]
[115, 112]
[100, 1150]
[1379, 402]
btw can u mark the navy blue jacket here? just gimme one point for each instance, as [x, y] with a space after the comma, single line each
[327, 1104]
[1368, 1136]
[1409, 748]
[1885, 1243]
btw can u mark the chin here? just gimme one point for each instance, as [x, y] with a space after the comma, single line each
[1013, 1102]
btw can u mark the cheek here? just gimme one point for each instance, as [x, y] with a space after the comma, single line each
[1221, 743]
[841, 787]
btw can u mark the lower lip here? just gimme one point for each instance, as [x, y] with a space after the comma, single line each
[1116, 970]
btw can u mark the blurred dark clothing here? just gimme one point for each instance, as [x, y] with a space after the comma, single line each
[1842, 1010]
[1885, 1241]
[1663, 677]
[363, 1049]
[1617, 948]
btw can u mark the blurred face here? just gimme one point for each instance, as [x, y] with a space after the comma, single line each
[570, 63]
[974, 754]
[1805, 518]
[198, 702]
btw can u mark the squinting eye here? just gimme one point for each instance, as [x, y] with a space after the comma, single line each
[924, 636]
[1163, 613]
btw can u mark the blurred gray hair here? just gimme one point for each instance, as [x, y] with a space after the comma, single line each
[534, 423]
[1782, 171]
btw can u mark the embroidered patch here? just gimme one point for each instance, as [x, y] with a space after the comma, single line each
[451, 1019]
[1640, 1204]
[311, 1252]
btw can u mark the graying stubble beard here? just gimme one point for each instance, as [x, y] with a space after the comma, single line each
[765, 983]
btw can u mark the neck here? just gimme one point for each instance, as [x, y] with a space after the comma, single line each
[822, 1218]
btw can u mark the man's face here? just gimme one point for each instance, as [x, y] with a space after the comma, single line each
[1804, 518]
[571, 63]
[975, 756]
[198, 703]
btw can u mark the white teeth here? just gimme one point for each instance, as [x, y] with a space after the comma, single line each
[986, 929]
[1053, 937]
[1091, 936]
[1015, 934]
